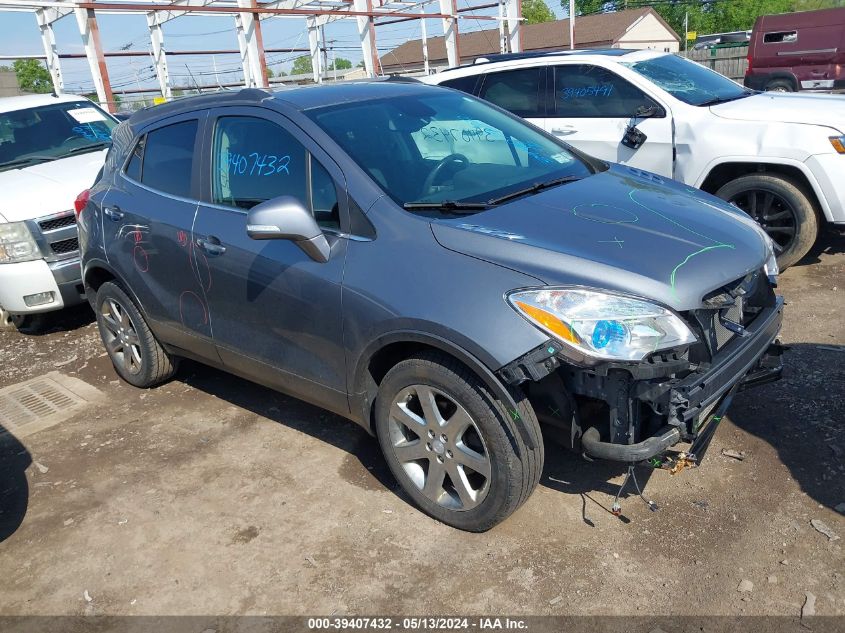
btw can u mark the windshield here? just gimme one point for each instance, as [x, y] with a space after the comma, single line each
[444, 146]
[690, 82]
[37, 135]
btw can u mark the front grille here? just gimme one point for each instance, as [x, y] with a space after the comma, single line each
[739, 302]
[57, 223]
[65, 246]
[732, 313]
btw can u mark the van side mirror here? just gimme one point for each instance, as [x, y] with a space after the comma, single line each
[285, 218]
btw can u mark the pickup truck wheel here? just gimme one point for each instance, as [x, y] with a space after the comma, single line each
[453, 446]
[780, 85]
[135, 353]
[781, 207]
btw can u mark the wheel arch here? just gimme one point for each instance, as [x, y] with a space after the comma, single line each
[96, 273]
[723, 172]
[387, 350]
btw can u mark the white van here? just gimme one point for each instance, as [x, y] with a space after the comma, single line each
[51, 148]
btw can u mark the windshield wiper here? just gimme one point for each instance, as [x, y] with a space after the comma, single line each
[86, 148]
[447, 205]
[537, 186]
[719, 100]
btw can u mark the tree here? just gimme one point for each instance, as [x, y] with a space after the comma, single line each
[705, 17]
[301, 66]
[270, 73]
[31, 75]
[341, 64]
[536, 11]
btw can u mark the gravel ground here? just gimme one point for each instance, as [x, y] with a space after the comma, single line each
[211, 495]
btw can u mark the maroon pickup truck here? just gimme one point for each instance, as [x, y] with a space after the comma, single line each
[798, 51]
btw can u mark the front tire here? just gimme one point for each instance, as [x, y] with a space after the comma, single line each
[781, 207]
[452, 446]
[135, 353]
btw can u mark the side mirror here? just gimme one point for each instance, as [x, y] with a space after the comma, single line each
[284, 218]
[646, 111]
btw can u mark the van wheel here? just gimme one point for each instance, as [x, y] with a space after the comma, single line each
[135, 353]
[780, 85]
[781, 207]
[453, 446]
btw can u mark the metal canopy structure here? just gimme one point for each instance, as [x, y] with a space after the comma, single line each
[248, 16]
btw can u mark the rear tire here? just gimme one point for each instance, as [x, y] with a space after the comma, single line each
[135, 353]
[781, 207]
[453, 446]
[780, 85]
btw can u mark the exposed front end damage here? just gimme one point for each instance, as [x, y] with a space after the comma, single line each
[636, 412]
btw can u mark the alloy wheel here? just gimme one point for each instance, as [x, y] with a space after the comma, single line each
[439, 447]
[121, 336]
[772, 212]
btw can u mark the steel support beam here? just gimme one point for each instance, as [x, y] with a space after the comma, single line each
[424, 37]
[450, 32]
[86, 19]
[514, 14]
[244, 52]
[367, 36]
[314, 46]
[48, 40]
[159, 57]
[254, 44]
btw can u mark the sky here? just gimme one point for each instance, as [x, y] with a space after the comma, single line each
[19, 35]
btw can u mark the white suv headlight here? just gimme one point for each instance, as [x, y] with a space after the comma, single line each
[602, 325]
[16, 244]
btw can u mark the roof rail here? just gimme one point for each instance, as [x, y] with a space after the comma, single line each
[501, 57]
[253, 94]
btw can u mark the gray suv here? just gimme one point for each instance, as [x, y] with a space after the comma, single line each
[448, 276]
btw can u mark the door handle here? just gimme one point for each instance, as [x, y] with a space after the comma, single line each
[211, 245]
[564, 131]
[113, 213]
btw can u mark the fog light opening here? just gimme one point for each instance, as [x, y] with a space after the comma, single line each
[39, 299]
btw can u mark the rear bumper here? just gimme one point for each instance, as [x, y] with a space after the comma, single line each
[63, 279]
[694, 405]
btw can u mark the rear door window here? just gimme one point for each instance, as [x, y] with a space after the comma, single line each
[584, 91]
[168, 158]
[518, 91]
[464, 84]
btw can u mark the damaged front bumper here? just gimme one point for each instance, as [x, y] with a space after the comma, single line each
[636, 413]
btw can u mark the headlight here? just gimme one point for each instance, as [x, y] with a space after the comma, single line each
[602, 325]
[838, 143]
[16, 243]
[771, 265]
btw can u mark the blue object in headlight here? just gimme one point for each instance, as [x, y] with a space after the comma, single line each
[606, 332]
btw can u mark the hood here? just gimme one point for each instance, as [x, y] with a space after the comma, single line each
[623, 230]
[47, 188]
[784, 107]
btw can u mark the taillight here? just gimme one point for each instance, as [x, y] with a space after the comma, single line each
[81, 201]
[748, 70]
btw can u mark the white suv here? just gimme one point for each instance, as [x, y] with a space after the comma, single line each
[779, 157]
[51, 148]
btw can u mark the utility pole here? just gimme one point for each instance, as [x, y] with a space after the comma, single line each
[571, 24]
